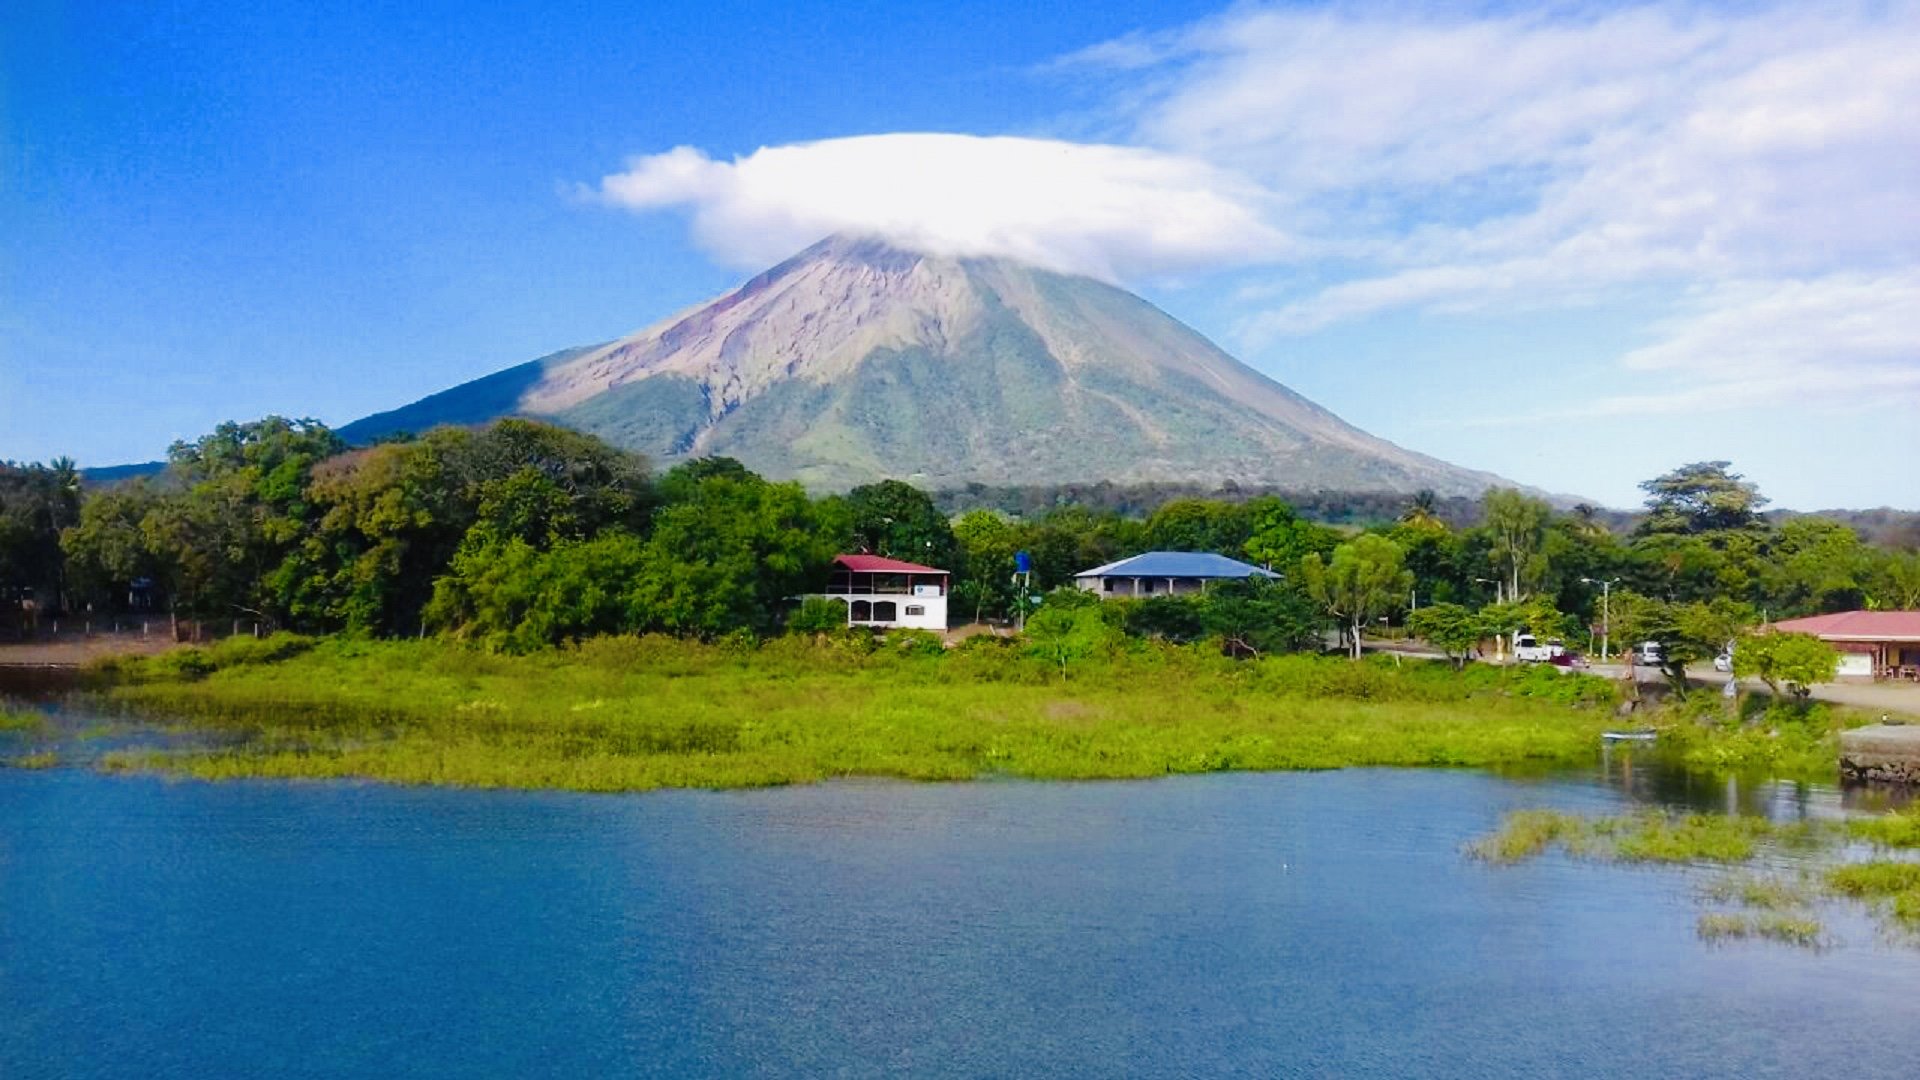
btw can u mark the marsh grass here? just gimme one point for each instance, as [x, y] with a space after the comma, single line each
[1777, 906]
[1891, 887]
[1649, 836]
[1797, 930]
[12, 719]
[1900, 829]
[43, 759]
[1760, 893]
[636, 713]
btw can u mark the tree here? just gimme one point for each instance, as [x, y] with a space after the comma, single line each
[729, 554]
[1280, 537]
[899, 521]
[1798, 660]
[1199, 525]
[1702, 497]
[1817, 566]
[1894, 581]
[1455, 630]
[1066, 635]
[1422, 511]
[1260, 615]
[107, 550]
[983, 582]
[1518, 526]
[1364, 578]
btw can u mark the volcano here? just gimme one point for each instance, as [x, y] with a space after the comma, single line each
[859, 359]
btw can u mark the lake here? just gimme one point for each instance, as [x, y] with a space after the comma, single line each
[1301, 924]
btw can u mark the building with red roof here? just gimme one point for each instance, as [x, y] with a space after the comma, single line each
[1872, 644]
[882, 592]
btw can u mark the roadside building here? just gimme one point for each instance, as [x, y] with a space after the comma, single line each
[881, 592]
[1165, 573]
[1872, 644]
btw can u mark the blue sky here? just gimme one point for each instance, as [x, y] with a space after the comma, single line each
[1573, 245]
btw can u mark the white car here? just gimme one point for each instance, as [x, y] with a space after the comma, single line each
[1724, 662]
[1528, 649]
[1649, 653]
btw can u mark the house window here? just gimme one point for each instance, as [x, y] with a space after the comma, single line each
[885, 611]
[916, 609]
[862, 611]
[1108, 582]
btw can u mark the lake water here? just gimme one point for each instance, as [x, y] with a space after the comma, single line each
[1305, 924]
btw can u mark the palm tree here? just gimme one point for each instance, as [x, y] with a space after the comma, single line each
[1421, 510]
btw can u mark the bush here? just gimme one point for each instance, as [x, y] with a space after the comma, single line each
[908, 642]
[818, 615]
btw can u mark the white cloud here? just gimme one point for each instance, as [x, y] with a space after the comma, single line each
[1110, 211]
[1759, 164]
[1841, 341]
[1460, 160]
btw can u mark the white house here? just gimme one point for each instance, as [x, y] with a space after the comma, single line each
[1165, 573]
[884, 592]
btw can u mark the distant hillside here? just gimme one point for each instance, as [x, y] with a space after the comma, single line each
[476, 402]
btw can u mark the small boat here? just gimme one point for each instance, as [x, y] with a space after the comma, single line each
[1627, 736]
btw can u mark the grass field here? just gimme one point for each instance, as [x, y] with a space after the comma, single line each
[627, 714]
[617, 714]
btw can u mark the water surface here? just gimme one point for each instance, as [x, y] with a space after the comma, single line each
[1304, 924]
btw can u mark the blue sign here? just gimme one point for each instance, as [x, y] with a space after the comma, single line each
[1022, 562]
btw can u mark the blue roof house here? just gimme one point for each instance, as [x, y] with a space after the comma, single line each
[1165, 573]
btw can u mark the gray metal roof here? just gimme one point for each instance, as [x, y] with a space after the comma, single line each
[1177, 564]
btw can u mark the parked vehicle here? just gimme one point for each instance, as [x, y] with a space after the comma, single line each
[1528, 649]
[1650, 653]
[1724, 662]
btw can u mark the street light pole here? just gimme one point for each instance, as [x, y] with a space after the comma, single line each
[1606, 613]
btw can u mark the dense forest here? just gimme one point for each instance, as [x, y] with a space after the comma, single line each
[521, 534]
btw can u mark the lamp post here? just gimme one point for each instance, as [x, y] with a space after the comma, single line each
[1606, 612]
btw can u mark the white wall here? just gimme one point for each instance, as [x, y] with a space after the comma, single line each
[932, 609]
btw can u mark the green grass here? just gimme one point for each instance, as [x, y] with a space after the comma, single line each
[1893, 887]
[1649, 836]
[1787, 929]
[1776, 906]
[44, 759]
[12, 719]
[1762, 893]
[1896, 830]
[1781, 739]
[637, 713]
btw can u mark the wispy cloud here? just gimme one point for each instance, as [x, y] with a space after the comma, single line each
[1109, 211]
[1757, 163]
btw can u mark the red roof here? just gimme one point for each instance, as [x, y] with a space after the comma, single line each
[1858, 626]
[875, 564]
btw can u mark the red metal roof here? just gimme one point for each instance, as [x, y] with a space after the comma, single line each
[876, 564]
[1858, 626]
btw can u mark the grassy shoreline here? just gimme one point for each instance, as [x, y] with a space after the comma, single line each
[624, 714]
